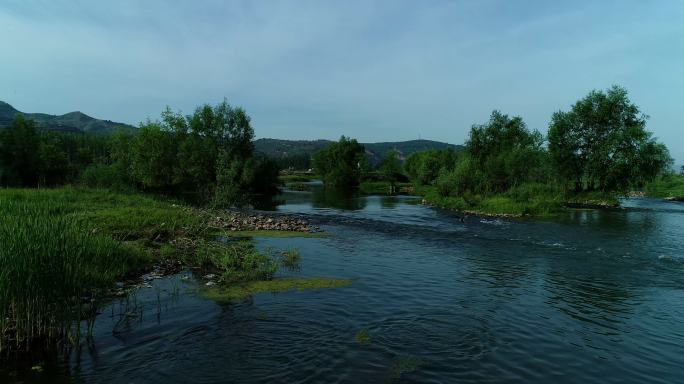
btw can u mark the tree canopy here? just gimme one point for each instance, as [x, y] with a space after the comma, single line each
[602, 143]
[390, 168]
[341, 163]
[207, 156]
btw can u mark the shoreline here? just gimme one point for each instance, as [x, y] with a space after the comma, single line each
[153, 237]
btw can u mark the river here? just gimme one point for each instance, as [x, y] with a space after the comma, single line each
[587, 297]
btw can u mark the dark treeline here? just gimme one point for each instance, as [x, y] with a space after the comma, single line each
[294, 162]
[600, 145]
[207, 157]
[341, 164]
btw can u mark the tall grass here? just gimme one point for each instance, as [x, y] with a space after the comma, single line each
[50, 266]
[666, 186]
[235, 261]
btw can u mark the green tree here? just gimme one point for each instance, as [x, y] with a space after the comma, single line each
[19, 153]
[121, 157]
[208, 155]
[504, 151]
[53, 166]
[154, 159]
[389, 168]
[341, 164]
[602, 143]
[424, 167]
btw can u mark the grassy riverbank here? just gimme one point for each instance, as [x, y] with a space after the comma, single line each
[297, 178]
[667, 187]
[62, 249]
[383, 188]
[527, 200]
[51, 267]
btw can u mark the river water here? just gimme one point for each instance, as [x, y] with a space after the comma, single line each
[588, 297]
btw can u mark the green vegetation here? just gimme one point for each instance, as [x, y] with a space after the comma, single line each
[390, 169]
[344, 167]
[341, 164]
[295, 161]
[29, 157]
[598, 150]
[363, 337]
[235, 262]
[405, 364]
[602, 144]
[239, 292]
[669, 186]
[290, 258]
[49, 260]
[206, 157]
[60, 245]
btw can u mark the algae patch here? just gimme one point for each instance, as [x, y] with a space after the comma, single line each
[405, 364]
[239, 292]
[363, 337]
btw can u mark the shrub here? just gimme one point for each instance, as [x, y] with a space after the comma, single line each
[103, 176]
[447, 184]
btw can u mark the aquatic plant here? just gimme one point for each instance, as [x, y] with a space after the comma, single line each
[363, 337]
[405, 364]
[290, 258]
[236, 261]
[237, 292]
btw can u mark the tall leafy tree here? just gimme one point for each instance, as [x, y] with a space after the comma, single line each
[154, 157]
[602, 143]
[389, 168]
[423, 167]
[341, 163]
[19, 153]
[504, 151]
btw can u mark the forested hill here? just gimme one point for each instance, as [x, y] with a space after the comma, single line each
[279, 148]
[69, 122]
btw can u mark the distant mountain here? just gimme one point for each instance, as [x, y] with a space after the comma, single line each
[279, 148]
[70, 122]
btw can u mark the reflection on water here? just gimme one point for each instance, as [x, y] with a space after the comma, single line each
[591, 297]
[345, 200]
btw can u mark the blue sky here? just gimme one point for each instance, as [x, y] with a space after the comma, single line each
[374, 70]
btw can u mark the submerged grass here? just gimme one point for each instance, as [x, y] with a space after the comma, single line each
[239, 292]
[405, 364]
[363, 337]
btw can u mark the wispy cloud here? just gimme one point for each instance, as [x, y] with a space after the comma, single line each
[376, 70]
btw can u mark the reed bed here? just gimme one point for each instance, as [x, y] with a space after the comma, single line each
[62, 249]
[52, 268]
